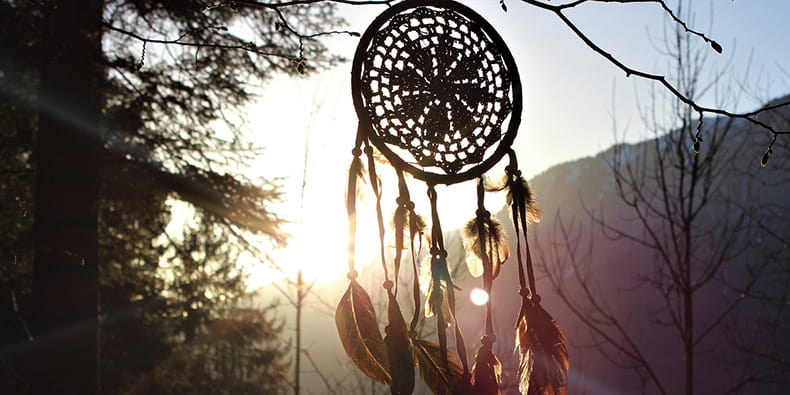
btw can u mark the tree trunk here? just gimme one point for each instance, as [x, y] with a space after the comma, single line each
[65, 276]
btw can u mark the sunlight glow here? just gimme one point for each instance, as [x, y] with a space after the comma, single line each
[478, 296]
[318, 247]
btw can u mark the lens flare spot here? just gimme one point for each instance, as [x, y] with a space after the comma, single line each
[478, 296]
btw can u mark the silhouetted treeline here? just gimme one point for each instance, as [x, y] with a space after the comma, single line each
[112, 112]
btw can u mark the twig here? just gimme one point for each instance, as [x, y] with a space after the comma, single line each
[250, 47]
[318, 371]
[751, 117]
[274, 6]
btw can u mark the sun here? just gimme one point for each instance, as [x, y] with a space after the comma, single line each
[318, 240]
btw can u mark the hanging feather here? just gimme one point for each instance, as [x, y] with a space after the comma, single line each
[404, 214]
[417, 227]
[525, 361]
[399, 220]
[485, 231]
[487, 370]
[355, 173]
[519, 191]
[436, 301]
[543, 351]
[441, 380]
[399, 346]
[359, 332]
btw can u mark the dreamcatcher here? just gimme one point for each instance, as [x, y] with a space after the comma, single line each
[438, 95]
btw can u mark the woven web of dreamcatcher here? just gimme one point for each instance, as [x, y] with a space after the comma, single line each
[435, 86]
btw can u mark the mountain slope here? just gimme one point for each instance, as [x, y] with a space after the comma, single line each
[739, 239]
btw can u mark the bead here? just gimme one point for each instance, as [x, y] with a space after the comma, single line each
[387, 285]
[368, 150]
[352, 275]
[356, 151]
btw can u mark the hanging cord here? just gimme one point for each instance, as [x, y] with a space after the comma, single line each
[402, 212]
[521, 279]
[374, 182]
[354, 173]
[405, 204]
[486, 249]
[460, 346]
[439, 274]
[436, 229]
[485, 373]
[519, 195]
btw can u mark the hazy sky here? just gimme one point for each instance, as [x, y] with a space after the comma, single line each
[572, 98]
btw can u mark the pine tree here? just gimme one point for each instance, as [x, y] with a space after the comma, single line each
[113, 110]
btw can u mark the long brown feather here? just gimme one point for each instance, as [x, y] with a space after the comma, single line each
[359, 332]
[487, 371]
[440, 380]
[549, 352]
[525, 361]
[399, 350]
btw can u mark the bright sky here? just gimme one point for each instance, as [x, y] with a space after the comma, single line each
[572, 97]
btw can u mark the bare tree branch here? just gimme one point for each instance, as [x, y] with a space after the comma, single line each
[751, 116]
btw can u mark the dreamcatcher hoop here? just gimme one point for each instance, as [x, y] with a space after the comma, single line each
[458, 69]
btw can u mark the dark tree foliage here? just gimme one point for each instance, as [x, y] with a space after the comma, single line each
[172, 76]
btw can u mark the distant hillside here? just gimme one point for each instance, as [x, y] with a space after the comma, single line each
[747, 203]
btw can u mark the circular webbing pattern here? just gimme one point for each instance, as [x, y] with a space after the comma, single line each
[435, 85]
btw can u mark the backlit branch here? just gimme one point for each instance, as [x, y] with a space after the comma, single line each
[250, 47]
[283, 4]
[666, 9]
[224, 40]
[751, 117]
[302, 37]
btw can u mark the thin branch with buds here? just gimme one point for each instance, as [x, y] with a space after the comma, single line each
[249, 47]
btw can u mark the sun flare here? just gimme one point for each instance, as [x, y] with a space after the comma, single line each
[318, 244]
